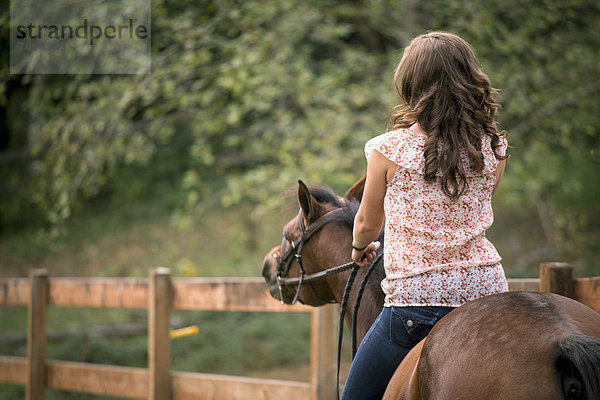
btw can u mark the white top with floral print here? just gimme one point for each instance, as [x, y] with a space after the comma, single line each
[436, 252]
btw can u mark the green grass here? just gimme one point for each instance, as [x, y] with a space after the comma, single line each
[128, 240]
[238, 343]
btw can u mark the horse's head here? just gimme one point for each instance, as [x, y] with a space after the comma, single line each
[320, 237]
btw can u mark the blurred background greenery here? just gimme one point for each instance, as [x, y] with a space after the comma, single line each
[109, 175]
[246, 97]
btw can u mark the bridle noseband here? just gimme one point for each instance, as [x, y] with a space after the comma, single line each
[294, 252]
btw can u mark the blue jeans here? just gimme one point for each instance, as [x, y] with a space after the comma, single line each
[393, 334]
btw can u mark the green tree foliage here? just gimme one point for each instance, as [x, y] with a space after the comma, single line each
[252, 95]
[246, 97]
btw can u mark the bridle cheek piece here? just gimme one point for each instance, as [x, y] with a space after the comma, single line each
[294, 252]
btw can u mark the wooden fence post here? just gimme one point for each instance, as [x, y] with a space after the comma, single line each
[323, 352]
[159, 341]
[556, 278]
[36, 335]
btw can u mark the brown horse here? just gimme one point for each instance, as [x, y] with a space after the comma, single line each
[513, 345]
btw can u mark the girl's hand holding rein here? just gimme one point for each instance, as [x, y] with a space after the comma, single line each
[362, 257]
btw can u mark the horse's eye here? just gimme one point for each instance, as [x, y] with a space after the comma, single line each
[287, 236]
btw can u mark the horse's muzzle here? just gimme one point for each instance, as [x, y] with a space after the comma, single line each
[269, 272]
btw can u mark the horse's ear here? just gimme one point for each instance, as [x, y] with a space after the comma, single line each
[309, 205]
[356, 191]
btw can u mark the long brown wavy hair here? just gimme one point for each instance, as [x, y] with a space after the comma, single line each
[443, 88]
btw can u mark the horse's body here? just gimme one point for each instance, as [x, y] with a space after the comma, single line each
[508, 346]
[513, 345]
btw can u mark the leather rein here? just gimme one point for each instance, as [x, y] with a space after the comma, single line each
[294, 252]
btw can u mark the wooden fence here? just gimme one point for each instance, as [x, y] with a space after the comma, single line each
[159, 294]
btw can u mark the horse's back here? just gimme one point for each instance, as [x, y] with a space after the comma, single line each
[503, 346]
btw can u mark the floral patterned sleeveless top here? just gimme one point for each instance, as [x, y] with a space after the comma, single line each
[436, 252]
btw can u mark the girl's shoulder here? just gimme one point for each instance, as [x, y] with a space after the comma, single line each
[489, 153]
[403, 147]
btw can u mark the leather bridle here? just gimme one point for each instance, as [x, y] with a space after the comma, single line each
[294, 252]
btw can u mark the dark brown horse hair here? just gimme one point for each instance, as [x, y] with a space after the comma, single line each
[579, 357]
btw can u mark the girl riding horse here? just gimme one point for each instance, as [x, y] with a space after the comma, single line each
[431, 179]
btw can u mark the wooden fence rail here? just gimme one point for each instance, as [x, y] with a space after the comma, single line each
[159, 294]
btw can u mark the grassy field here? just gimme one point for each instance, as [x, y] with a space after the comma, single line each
[127, 241]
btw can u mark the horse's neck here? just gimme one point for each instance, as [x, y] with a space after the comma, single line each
[370, 303]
